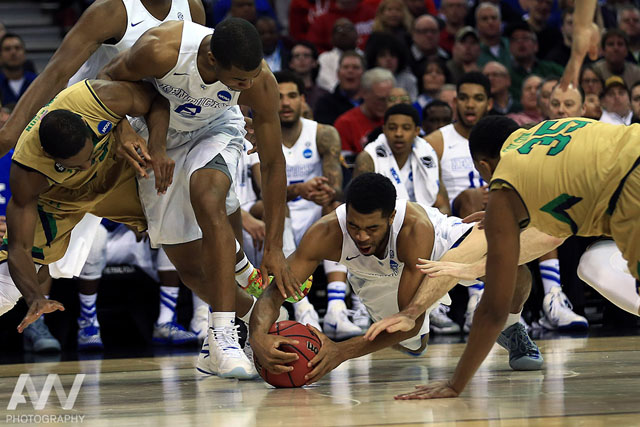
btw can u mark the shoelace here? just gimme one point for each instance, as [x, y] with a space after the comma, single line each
[41, 328]
[227, 339]
[522, 342]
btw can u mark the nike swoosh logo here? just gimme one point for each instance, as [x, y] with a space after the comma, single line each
[353, 257]
[332, 325]
[133, 25]
[180, 74]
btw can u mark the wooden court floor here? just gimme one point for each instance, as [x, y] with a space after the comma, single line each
[586, 382]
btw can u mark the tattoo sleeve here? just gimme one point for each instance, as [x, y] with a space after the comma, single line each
[329, 146]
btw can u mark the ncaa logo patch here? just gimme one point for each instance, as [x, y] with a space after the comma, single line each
[104, 126]
[58, 167]
[180, 16]
[381, 152]
[428, 161]
[307, 153]
[224, 96]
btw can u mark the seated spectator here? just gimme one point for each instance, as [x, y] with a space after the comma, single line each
[615, 47]
[14, 79]
[454, 12]
[592, 107]
[387, 51]
[561, 52]
[616, 104]
[344, 37]
[635, 103]
[434, 75]
[435, 115]
[448, 95]
[493, 47]
[466, 51]
[245, 9]
[566, 103]
[629, 22]
[523, 44]
[500, 82]
[354, 125]
[302, 15]
[547, 33]
[361, 14]
[529, 99]
[274, 51]
[346, 94]
[397, 96]
[544, 95]
[507, 13]
[304, 62]
[393, 17]
[424, 44]
[590, 82]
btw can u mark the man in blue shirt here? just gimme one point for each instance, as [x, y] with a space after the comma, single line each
[14, 79]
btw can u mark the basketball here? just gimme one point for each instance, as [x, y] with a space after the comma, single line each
[307, 348]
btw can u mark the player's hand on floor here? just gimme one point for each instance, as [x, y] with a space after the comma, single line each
[269, 356]
[446, 268]
[435, 390]
[163, 167]
[327, 359]
[274, 263]
[37, 308]
[391, 324]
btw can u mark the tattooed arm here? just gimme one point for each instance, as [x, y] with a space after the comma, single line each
[329, 146]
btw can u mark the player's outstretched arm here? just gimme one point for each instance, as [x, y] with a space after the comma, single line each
[22, 215]
[585, 39]
[103, 20]
[312, 250]
[263, 98]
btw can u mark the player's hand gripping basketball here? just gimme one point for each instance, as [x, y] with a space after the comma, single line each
[435, 390]
[397, 322]
[37, 308]
[328, 358]
[265, 349]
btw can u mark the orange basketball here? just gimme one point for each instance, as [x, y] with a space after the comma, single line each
[307, 348]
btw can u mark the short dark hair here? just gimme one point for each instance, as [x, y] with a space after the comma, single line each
[63, 133]
[286, 76]
[370, 192]
[440, 63]
[434, 103]
[614, 32]
[10, 36]
[405, 110]
[380, 43]
[308, 45]
[476, 78]
[236, 42]
[488, 136]
[353, 54]
[519, 25]
[635, 85]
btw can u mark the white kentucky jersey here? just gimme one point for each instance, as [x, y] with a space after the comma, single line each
[303, 163]
[139, 20]
[244, 177]
[418, 179]
[193, 103]
[458, 172]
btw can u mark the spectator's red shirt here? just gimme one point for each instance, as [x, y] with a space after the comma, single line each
[321, 29]
[302, 14]
[428, 4]
[353, 127]
[446, 40]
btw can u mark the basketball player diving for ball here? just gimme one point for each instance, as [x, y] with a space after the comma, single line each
[379, 239]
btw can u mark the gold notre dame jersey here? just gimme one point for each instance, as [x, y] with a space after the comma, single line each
[107, 189]
[569, 173]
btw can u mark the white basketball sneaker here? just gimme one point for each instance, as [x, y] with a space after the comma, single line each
[558, 312]
[200, 322]
[337, 325]
[306, 314]
[440, 323]
[474, 300]
[222, 355]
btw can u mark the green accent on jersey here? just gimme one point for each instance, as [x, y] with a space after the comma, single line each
[48, 225]
[558, 207]
[548, 134]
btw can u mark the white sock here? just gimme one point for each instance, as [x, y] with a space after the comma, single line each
[247, 316]
[604, 269]
[550, 272]
[335, 292]
[512, 319]
[356, 302]
[88, 307]
[222, 319]
[301, 304]
[478, 288]
[244, 269]
[168, 301]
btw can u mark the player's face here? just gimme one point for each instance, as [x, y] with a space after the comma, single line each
[370, 232]
[235, 78]
[290, 103]
[565, 103]
[80, 161]
[400, 131]
[472, 104]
